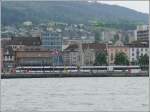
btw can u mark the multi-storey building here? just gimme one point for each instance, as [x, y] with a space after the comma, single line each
[108, 35]
[15, 43]
[142, 32]
[8, 58]
[131, 34]
[86, 53]
[52, 40]
[71, 55]
[112, 50]
[1, 59]
[33, 56]
[137, 50]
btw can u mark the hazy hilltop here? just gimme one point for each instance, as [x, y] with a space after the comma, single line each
[15, 12]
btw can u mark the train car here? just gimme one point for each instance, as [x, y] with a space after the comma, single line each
[94, 69]
[38, 69]
[131, 69]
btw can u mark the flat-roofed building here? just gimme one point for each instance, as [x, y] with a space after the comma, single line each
[138, 49]
[142, 32]
[33, 56]
[52, 40]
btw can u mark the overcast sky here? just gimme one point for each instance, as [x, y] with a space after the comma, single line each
[141, 6]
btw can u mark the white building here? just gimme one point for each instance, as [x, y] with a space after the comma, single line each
[132, 35]
[71, 55]
[142, 32]
[136, 50]
[27, 23]
[108, 35]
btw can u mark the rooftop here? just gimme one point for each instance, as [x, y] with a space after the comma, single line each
[95, 46]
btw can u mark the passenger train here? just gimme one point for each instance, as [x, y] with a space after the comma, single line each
[94, 69]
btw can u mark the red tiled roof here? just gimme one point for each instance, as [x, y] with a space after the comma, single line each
[95, 46]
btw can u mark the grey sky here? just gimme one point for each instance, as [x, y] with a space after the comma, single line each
[141, 6]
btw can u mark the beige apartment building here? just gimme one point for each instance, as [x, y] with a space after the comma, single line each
[112, 50]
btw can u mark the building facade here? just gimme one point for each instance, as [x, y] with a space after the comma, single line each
[137, 50]
[33, 56]
[86, 53]
[1, 59]
[142, 32]
[52, 40]
[89, 56]
[8, 58]
[71, 55]
[131, 35]
[112, 50]
[108, 35]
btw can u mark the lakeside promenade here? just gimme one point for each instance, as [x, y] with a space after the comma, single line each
[72, 74]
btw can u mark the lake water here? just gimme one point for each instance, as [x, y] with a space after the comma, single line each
[75, 94]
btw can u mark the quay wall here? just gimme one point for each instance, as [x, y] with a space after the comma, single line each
[77, 74]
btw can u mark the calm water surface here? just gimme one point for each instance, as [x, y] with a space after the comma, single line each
[75, 94]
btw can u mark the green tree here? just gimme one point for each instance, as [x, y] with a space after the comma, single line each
[121, 59]
[99, 24]
[143, 60]
[101, 59]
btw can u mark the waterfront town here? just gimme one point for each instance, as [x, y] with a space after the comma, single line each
[74, 55]
[62, 44]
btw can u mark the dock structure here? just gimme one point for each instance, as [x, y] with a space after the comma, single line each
[74, 71]
[72, 74]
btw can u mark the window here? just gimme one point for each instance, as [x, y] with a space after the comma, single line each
[132, 49]
[8, 57]
[111, 56]
[52, 43]
[145, 49]
[5, 58]
[7, 52]
[132, 54]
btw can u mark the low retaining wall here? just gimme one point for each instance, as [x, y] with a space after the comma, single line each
[77, 74]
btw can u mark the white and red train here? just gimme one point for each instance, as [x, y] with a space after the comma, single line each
[94, 69]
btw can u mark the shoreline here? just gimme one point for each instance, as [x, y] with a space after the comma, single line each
[72, 74]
